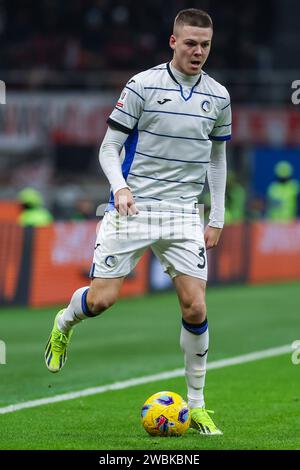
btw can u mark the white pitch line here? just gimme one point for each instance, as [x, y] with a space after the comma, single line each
[254, 356]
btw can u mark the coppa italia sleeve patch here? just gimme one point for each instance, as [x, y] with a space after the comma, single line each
[122, 99]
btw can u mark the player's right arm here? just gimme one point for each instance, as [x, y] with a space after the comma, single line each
[122, 121]
[109, 157]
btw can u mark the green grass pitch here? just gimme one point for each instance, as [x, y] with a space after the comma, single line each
[256, 404]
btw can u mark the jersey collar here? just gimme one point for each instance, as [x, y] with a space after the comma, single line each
[181, 88]
[174, 79]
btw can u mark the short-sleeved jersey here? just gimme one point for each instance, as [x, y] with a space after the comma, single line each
[170, 131]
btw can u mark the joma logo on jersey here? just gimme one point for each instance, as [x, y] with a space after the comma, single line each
[206, 106]
[165, 100]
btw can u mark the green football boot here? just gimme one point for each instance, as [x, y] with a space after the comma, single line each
[56, 347]
[202, 422]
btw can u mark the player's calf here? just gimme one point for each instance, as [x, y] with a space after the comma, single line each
[98, 305]
[102, 294]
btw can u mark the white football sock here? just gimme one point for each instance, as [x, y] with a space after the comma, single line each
[195, 348]
[75, 312]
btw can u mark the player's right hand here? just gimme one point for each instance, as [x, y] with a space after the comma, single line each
[124, 202]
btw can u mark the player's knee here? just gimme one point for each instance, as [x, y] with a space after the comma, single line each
[99, 305]
[195, 312]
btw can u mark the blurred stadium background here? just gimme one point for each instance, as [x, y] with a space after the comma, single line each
[64, 65]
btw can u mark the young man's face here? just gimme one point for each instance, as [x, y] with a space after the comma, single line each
[191, 46]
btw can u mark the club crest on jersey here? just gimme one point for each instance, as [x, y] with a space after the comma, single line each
[206, 106]
[111, 261]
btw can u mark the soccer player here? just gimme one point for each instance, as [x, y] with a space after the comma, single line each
[173, 121]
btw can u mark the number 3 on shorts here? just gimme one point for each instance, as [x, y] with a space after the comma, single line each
[202, 257]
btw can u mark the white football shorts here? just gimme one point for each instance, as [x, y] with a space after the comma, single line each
[176, 238]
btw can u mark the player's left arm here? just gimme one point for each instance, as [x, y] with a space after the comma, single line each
[216, 176]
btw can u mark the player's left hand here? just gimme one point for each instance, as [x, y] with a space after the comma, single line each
[212, 236]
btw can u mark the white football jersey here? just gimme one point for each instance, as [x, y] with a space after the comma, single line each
[170, 131]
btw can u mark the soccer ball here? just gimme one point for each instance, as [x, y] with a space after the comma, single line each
[165, 414]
